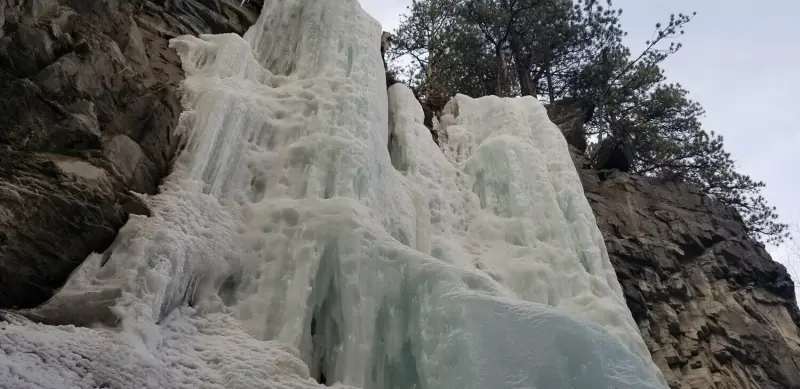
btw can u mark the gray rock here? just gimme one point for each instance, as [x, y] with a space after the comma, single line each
[89, 97]
[570, 115]
[613, 154]
[53, 211]
[715, 310]
[130, 162]
[33, 121]
[135, 50]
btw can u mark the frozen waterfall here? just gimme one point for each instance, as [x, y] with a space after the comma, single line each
[290, 248]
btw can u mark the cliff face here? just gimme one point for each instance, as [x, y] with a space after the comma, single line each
[89, 100]
[89, 97]
[714, 309]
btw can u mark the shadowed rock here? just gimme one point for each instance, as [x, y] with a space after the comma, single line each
[613, 154]
[570, 115]
[89, 100]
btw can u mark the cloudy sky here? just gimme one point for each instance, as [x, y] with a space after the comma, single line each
[740, 61]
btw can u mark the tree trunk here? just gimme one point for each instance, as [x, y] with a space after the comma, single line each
[550, 88]
[526, 85]
[502, 74]
[431, 85]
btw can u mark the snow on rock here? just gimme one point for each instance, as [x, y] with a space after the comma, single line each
[290, 249]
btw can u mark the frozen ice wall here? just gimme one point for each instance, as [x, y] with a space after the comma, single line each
[292, 248]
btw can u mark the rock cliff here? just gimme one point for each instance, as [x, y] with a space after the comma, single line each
[714, 309]
[89, 97]
[89, 100]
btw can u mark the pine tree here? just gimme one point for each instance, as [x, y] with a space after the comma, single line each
[425, 36]
[556, 49]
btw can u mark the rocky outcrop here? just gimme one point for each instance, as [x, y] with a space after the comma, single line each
[570, 115]
[613, 154]
[89, 100]
[714, 309]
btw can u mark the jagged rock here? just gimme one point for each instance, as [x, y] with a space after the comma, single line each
[54, 210]
[613, 154]
[130, 162]
[89, 97]
[570, 115]
[714, 309]
[33, 120]
[711, 297]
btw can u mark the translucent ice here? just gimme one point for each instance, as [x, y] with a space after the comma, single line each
[290, 247]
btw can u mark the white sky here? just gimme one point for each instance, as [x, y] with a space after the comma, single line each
[740, 61]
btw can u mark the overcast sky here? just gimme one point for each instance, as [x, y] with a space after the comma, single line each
[740, 61]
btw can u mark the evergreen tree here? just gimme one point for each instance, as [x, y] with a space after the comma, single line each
[425, 36]
[556, 49]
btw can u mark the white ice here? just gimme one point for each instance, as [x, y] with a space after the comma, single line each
[298, 241]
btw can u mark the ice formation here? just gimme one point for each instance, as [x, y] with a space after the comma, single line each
[291, 248]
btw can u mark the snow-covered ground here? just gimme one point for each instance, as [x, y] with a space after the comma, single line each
[291, 246]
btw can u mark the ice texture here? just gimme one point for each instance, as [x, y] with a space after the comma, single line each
[313, 233]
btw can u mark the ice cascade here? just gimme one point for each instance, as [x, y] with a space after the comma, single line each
[291, 248]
